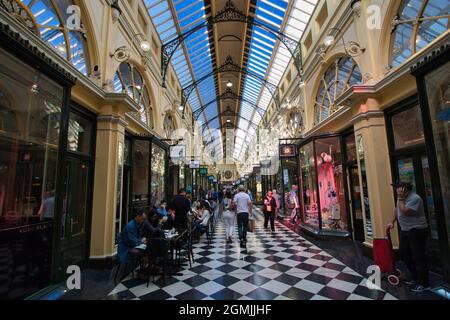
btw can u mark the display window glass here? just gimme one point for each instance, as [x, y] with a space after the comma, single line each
[323, 184]
[438, 91]
[79, 138]
[350, 145]
[158, 173]
[309, 189]
[330, 183]
[30, 124]
[408, 128]
[140, 187]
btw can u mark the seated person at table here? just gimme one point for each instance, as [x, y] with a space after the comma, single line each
[152, 227]
[202, 223]
[162, 211]
[130, 237]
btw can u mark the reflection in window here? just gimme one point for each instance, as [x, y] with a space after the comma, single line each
[158, 173]
[433, 17]
[129, 80]
[408, 128]
[79, 134]
[438, 93]
[47, 19]
[30, 116]
[341, 75]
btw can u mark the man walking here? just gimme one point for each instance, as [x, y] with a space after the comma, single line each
[410, 215]
[243, 205]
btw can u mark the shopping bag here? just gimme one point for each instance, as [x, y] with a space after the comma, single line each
[251, 225]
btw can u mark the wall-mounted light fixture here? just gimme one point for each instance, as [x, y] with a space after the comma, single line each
[116, 11]
[144, 44]
[229, 84]
[352, 48]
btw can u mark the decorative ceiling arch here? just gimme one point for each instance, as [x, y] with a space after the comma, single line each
[230, 66]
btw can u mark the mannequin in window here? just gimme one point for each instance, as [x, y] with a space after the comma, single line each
[327, 189]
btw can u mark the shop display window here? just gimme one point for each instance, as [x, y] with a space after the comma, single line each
[309, 189]
[140, 187]
[30, 123]
[30, 126]
[323, 184]
[438, 91]
[158, 172]
[408, 128]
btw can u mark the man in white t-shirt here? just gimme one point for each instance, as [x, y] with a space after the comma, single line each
[243, 206]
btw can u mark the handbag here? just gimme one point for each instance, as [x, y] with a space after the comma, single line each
[251, 225]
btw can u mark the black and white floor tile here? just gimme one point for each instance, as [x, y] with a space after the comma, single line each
[283, 266]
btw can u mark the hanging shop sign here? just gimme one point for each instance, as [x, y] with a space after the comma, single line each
[288, 150]
[203, 171]
[177, 152]
[194, 164]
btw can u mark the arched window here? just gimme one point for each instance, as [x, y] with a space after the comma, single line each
[418, 23]
[48, 19]
[129, 80]
[341, 75]
[169, 125]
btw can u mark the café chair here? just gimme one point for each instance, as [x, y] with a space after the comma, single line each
[158, 253]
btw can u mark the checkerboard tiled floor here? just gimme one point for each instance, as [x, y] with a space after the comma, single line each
[281, 266]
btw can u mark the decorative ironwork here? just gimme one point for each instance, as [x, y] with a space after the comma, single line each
[229, 94]
[205, 125]
[230, 66]
[229, 14]
[19, 11]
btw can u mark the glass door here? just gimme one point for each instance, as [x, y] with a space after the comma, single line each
[355, 202]
[414, 169]
[76, 213]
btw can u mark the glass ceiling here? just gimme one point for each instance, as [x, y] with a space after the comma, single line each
[272, 13]
[193, 60]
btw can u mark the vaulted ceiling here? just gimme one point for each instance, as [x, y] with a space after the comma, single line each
[224, 66]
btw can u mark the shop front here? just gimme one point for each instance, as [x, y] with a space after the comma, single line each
[142, 177]
[431, 172]
[322, 186]
[47, 152]
[289, 179]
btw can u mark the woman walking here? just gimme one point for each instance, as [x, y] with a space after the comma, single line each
[270, 205]
[228, 216]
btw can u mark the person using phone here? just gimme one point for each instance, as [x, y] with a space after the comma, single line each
[410, 215]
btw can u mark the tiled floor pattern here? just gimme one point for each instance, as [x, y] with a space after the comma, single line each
[281, 266]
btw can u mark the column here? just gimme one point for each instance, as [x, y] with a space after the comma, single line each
[110, 134]
[370, 124]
